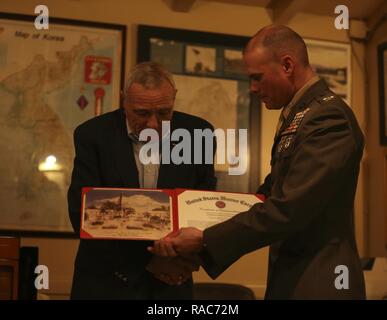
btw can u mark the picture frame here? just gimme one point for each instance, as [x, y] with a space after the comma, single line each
[382, 73]
[332, 61]
[51, 80]
[210, 80]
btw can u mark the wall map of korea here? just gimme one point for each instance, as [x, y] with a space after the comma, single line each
[50, 82]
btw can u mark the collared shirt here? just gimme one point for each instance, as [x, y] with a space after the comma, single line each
[147, 173]
[286, 110]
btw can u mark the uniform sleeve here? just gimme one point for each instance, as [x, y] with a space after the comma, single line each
[85, 174]
[320, 160]
[265, 188]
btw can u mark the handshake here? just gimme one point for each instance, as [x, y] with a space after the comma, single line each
[176, 256]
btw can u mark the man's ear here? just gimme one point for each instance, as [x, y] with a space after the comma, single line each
[287, 64]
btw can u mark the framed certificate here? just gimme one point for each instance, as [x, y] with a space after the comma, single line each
[150, 214]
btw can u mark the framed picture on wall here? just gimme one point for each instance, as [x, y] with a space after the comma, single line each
[50, 82]
[332, 62]
[382, 66]
[211, 83]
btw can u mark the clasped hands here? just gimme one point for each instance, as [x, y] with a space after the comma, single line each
[176, 256]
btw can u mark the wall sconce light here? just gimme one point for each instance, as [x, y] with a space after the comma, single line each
[50, 164]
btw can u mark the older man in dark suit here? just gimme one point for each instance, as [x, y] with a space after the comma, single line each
[107, 155]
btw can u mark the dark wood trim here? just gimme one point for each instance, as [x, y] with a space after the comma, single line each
[382, 95]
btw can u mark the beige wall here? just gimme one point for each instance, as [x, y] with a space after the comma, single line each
[251, 270]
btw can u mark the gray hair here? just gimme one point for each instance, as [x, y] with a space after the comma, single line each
[149, 75]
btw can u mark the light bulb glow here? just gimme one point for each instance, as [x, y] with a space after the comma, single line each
[50, 164]
[50, 160]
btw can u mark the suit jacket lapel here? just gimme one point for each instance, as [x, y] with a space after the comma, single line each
[124, 157]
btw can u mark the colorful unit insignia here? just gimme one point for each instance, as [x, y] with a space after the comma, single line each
[287, 135]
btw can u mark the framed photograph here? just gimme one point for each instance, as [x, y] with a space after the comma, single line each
[332, 62]
[50, 82]
[200, 60]
[233, 63]
[382, 65]
[210, 79]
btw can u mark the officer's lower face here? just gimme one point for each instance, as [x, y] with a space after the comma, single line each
[264, 95]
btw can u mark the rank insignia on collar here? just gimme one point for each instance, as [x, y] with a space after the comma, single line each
[327, 98]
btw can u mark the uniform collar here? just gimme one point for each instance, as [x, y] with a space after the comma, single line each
[298, 95]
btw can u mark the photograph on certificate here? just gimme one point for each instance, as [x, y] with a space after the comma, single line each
[126, 214]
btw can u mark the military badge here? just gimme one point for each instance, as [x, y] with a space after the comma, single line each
[285, 142]
[287, 135]
[326, 98]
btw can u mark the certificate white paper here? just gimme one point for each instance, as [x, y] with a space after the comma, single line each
[201, 209]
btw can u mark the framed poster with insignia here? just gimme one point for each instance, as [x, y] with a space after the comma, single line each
[382, 65]
[212, 84]
[51, 80]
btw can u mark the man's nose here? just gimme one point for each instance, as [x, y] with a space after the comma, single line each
[153, 122]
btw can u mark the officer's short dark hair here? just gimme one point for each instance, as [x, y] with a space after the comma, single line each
[280, 40]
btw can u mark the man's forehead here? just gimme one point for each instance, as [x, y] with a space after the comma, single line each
[138, 93]
[257, 61]
[257, 54]
[139, 89]
[145, 100]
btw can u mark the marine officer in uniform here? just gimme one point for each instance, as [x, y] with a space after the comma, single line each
[308, 216]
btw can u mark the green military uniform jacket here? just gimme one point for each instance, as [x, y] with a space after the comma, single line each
[308, 216]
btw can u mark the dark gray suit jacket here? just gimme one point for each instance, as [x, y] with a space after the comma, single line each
[115, 269]
[308, 217]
